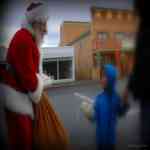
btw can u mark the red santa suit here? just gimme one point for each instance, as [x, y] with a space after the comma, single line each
[22, 89]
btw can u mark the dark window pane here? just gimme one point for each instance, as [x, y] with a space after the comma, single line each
[65, 69]
[50, 68]
[120, 36]
[103, 36]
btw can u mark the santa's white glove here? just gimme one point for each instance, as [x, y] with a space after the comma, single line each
[36, 95]
[47, 80]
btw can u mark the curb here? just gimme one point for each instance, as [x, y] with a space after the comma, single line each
[75, 83]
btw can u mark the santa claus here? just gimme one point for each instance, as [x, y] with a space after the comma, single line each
[20, 79]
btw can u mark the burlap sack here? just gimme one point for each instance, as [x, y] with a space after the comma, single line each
[48, 131]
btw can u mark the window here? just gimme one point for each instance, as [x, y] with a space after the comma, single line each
[65, 69]
[131, 35]
[120, 36]
[50, 68]
[102, 36]
[59, 68]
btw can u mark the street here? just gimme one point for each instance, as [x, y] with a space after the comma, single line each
[81, 131]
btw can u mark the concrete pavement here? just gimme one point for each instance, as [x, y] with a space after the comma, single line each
[81, 131]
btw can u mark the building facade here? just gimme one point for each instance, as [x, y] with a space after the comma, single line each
[110, 39]
[58, 63]
[83, 57]
[113, 35]
[71, 30]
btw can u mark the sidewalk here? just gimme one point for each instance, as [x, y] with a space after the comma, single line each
[80, 82]
[73, 83]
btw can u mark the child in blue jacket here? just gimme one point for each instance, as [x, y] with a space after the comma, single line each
[107, 107]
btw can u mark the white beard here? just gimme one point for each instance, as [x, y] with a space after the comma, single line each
[39, 38]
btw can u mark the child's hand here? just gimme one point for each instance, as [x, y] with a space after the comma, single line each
[87, 109]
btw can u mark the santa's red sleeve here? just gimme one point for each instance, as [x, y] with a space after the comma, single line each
[23, 58]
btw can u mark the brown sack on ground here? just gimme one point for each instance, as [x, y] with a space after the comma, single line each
[48, 131]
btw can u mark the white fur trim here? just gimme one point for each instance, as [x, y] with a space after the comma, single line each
[17, 101]
[36, 95]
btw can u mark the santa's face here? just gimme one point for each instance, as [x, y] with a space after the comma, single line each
[40, 29]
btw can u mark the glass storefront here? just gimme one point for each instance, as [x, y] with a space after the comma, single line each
[58, 68]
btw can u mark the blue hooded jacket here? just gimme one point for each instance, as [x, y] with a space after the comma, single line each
[107, 106]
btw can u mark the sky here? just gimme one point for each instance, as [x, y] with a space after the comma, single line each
[59, 11]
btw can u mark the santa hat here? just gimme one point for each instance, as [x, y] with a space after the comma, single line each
[36, 11]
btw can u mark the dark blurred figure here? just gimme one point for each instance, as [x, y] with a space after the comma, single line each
[139, 83]
[3, 127]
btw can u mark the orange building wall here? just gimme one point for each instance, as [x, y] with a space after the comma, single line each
[83, 59]
[111, 21]
[103, 20]
[108, 20]
[72, 30]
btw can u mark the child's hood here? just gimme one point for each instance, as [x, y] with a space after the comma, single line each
[111, 75]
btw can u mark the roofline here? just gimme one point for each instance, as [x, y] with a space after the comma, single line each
[77, 22]
[93, 8]
[82, 36]
[65, 46]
